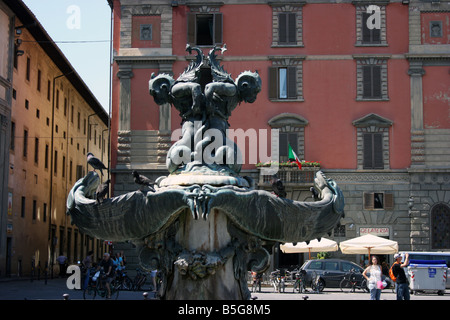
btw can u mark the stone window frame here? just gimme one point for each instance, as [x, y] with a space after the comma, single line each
[285, 62]
[212, 8]
[291, 123]
[369, 199]
[296, 8]
[376, 60]
[360, 8]
[128, 11]
[372, 123]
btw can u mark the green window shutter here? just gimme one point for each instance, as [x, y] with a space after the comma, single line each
[367, 81]
[292, 82]
[368, 201]
[368, 151]
[283, 145]
[378, 162]
[373, 151]
[388, 201]
[371, 81]
[273, 83]
[376, 81]
[287, 28]
[218, 30]
[282, 28]
[292, 28]
[191, 28]
[369, 36]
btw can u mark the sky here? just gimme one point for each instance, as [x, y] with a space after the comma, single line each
[81, 29]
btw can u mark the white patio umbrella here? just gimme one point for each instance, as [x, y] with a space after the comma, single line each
[313, 246]
[369, 244]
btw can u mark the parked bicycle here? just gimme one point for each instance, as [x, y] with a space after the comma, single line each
[123, 281]
[317, 284]
[300, 281]
[284, 281]
[96, 286]
[275, 280]
[351, 282]
[278, 280]
[139, 280]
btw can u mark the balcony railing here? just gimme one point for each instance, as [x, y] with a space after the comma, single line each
[291, 175]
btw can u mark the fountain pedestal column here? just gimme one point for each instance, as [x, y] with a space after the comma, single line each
[204, 269]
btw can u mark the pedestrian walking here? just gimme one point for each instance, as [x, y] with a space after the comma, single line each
[399, 273]
[154, 273]
[87, 262]
[124, 260]
[374, 281]
[62, 261]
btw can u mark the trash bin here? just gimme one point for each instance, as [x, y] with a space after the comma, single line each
[427, 275]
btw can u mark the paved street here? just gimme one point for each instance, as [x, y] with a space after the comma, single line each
[42, 297]
[53, 290]
[56, 288]
[336, 294]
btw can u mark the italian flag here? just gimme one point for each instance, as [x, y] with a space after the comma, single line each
[293, 156]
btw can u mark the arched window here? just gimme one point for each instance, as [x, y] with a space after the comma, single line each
[440, 226]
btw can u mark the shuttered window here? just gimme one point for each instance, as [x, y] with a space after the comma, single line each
[378, 200]
[373, 151]
[287, 31]
[369, 36]
[283, 82]
[204, 29]
[371, 81]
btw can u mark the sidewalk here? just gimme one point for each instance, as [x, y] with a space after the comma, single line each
[25, 289]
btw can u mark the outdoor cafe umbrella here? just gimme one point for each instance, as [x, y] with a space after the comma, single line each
[369, 244]
[313, 246]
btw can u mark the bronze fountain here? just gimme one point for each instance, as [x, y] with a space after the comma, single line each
[204, 226]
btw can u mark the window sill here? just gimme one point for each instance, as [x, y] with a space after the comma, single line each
[371, 45]
[288, 100]
[372, 99]
[288, 45]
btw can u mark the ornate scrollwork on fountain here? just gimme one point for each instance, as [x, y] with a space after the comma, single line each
[204, 226]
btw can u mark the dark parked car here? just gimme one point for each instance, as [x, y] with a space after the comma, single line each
[331, 271]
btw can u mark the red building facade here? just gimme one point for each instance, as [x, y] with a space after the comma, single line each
[360, 86]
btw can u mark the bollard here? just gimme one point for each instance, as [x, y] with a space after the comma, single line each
[32, 270]
[46, 272]
[145, 294]
[66, 296]
[39, 271]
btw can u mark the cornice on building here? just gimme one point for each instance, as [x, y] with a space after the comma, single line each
[32, 24]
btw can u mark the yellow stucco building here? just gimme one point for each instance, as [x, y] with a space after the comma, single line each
[55, 122]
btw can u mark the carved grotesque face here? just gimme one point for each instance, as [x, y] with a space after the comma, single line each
[159, 89]
[249, 86]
